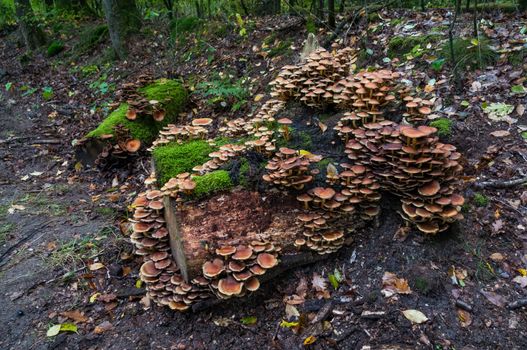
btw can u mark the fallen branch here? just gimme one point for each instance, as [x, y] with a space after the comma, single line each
[501, 183]
[46, 142]
[13, 139]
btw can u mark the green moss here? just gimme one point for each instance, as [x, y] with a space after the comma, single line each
[480, 200]
[422, 285]
[517, 58]
[170, 93]
[173, 159]
[443, 125]
[398, 46]
[244, 172]
[144, 129]
[91, 37]
[213, 182]
[55, 48]
[304, 139]
[373, 17]
[323, 164]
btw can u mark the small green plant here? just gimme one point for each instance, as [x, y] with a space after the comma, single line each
[101, 86]
[181, 26]
[437, 65]
[88, 70]
[89, 38]
[443, 126]
[311, 26]
[5, 231]
[471, 53]
[47, 93]
[55, 48]
[241, 25]
[225, 91]
[480, 200]
[414, 46]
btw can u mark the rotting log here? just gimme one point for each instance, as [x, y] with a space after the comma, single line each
[176, 244]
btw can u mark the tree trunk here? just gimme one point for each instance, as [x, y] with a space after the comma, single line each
[320, 10]
[522, 4]
[342, 6]
[423, 5]
[123, 19]
[331, 13]
[32, 34]
[468, 5]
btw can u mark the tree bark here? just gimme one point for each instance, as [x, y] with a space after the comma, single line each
[320, 10]
[32, 34]
[331, 13]
[123, 19]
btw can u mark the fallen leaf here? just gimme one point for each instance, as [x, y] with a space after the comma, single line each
[402, 233]
[520, 109]
[496, 257]
[75, 315]
[497, 225]
[249, 320]
[106, 298]
[415, 316]
[53, 330]
[291, 312]
[36, 173]
[103, 327]
[96, 266]
[391, 285]
[322, 127]
[319, 283]
[465, 318]
[309, 340]
[500, 133]
[94, 297]
[126, 270]
[258, 97]
[65, 327]
[521, 280]
[286, 324]
[494, 298]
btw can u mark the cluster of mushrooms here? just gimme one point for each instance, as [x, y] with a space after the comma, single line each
[124, 146]
[381, 155]
[138, 105]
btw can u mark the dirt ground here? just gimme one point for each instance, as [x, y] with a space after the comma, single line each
[58, 220]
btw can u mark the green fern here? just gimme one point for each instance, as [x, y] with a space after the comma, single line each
[225, 89]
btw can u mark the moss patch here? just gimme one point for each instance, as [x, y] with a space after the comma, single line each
[173, 159]
[401, 45]
[443, 125]
[213, 182]
[170, 93]
[55, 48]
[481, 200]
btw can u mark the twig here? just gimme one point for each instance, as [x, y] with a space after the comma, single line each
[517, 304]
[46, 142]
[500, 183]
[13, 139]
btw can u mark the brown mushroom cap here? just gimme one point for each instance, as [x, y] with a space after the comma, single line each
[430, 188]
[179, 306]
[226, 250]
[229, 286]
[213, 268]
[324, 193]
[428, 227]
[266, 260]
[285, 121]
[133, 145]
[252, 284]
[201, 122]
[148, 269]
[243, 252]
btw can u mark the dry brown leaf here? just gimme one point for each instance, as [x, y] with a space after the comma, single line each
[401, 234]
[465, 318]
[322, 127]
[496, 257]
[500, 133]
[495, 298]
[95, 266]
[319, 283]
[75, 315]
[103, 327]
[415, 316]
[391, 285]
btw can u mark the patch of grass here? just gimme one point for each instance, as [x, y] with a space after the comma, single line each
[55, 48]
[5, 230]
[480, 200]
[179, 27]
[173, 159]
[90, 38]
[170, 93]
[311, 26]
[41, 203]
[443, 126]
[211, 183]
[283, 47]
[399, 46]
[471, 54]
[106, 211]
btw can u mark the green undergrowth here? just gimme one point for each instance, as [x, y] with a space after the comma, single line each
[173, 159]
[170, 93]
[480, 200]
[517, 58]
[211, 183]
[471, 53]
[443, 126]
[399, 46]
[89, 38]
[179, 27]
[55, 48]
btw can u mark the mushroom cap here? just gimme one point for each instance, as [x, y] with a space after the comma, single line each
[412, 133]
[257, 269]
[428, 227]
[226, 250]
[133, 145]
[304, 198]
[159, 115]
[285, 121]
[141, 227]
[179, 306]
[148, 269]
[430, 188]
[201, 122]
[252, 284]
[229, 286]
[266, 260]
[457, 199]
[213, 268]
[243, 252]
[187, 185]
[332, 236]
[324, 193]
[156, 205]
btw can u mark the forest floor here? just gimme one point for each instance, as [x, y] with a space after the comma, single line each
[63, 258]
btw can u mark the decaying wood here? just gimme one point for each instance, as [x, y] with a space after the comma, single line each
[89, 150]
[501, 183]
[176, 244]
[287, 262]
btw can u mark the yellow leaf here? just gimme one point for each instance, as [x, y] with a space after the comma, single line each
[96, 266]
[497, 213]
[288, 324]
[429, 88]
[78, 166]
[309, 340]
[138, 284]
[415, 316]
[258, 97]
[94, 297]
[522, 272]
